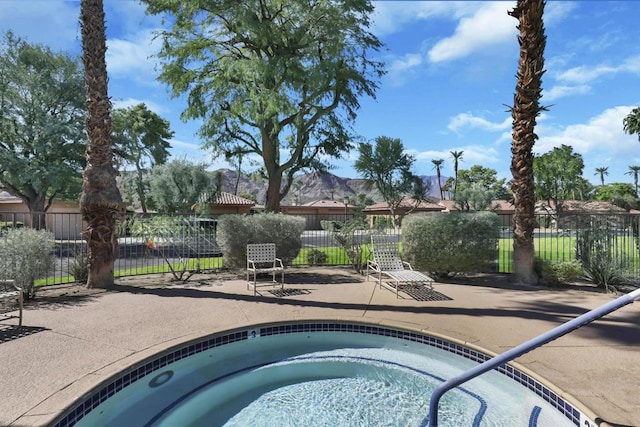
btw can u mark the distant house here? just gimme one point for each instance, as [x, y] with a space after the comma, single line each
[65, 221]
[227, 203]
[320, 210]
[380, 211]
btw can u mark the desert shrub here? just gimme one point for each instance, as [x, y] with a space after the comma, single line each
[79, 268]
[557, 273]
[605, 272]
[26, 255]
[454, 243]
[568, 271]
[350, 235]
[316, 257]
[236, 231]
[596, 242]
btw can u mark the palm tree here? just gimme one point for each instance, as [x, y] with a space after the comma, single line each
[457, 155]
[437, 163]
[634, 171]
[101, 204]
[526, 108]
[631, 123]
[602, 171]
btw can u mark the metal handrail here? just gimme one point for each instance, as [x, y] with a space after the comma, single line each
[526, 347]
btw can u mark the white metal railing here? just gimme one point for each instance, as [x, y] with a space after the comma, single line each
[526, 347]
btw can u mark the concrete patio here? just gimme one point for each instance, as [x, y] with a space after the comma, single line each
[75, 338]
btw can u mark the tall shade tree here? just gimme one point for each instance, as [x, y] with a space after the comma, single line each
[634, 171]
[558, 177]
[526, 108]
[140, 140]
[388, 167]
[101, 204]
[42, 111]
[457, 157]
[631, 123]
[179, 186]
[437, 164]
[280, 79]
[602, 171]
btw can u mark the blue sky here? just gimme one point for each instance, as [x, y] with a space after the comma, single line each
[451, 77]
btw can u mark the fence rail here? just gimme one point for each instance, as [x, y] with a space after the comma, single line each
[578, 236]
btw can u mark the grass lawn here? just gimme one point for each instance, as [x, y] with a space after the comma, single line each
[551, 248]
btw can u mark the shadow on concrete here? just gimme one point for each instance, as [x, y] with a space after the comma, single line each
[614, 329]
[13, 332]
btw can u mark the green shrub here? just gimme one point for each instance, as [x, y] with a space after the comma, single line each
[605, 272]
[316, 257]
[451, 243]
[557, 273]
[79, 268]
[26, 255]
[350, 234]
[236, 231]
[568, 271]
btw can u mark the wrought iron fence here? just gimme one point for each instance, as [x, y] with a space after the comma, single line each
[193, 246]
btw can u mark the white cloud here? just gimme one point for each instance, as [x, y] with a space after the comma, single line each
[489, 26]
[390, 17]
[600, 134]
[406, 62]
[555, 11]
[48, 22]
[466, 120]
[587, 73]
[134, 56]
[562, 91]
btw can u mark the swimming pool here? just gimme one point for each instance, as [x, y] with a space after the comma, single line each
[318, 373]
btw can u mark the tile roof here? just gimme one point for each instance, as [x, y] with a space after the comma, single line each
[325, 204]
[231, 199]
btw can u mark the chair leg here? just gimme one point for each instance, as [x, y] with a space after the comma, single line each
[20, 302]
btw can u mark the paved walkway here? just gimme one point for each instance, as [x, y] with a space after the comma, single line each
[71, 344]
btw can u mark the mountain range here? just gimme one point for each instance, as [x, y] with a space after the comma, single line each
[313, 186]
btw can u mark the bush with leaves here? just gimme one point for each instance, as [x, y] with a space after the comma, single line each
[26, 254]
[236, 231]
[596, 242]
[169, 235]
[557, 273]
[316, 257]
[444, 245]
[349, 234]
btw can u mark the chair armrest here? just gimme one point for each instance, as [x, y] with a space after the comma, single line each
[406, 264]
[279, 261]
[373, 265]
[251, 264]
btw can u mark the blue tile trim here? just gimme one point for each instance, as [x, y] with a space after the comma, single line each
[82, 407]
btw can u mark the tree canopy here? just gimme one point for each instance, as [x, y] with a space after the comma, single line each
[483, 178]
[388, 167]
[631, 123]
[558, 176]
[140, 140]
[178, 187]
[42, 100]
[281, 80]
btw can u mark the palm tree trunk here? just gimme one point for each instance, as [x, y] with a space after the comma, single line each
[525, 110]
[101, 204]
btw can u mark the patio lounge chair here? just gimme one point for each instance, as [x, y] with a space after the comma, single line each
[261, 258]
[388, 268]
[9, 291]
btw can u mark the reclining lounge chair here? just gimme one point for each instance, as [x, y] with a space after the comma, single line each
[388, 268]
